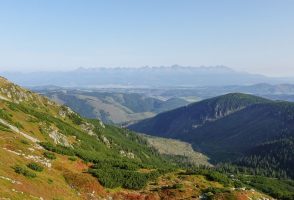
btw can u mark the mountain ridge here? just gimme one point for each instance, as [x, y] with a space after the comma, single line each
[214, 108]
[225, 136]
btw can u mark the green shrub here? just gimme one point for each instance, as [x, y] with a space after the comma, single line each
[209, 195]
[121, 173]
[277, 188]
[23, 171]
[211, 191]
[119, 164]
[6, 116]
[219, 177]
[112, 178]
[72, 158]
[178, 186]
[211, 174]
[58, 149]
[76, 119]
[50, 181]
[24, 142]
[11, 107]
[18, 125]
[35, 166]
[134, 180]
[3, 127]
[49, 155]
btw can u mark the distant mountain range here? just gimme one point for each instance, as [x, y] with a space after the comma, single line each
[231, 127]
[173, 76]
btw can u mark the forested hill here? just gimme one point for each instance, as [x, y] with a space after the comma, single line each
[231, 127]
[182, 121]
[273, 156]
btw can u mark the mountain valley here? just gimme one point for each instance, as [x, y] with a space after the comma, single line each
[50, 152]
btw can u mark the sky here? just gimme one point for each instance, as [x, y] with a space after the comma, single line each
[256, 36]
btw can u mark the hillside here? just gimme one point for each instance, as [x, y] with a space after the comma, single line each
[226, 127]
[112, 107]
[179, 122]
[274, 155]
[47, 151]
[31, 124]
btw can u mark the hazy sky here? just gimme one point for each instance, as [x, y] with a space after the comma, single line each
[249, 35]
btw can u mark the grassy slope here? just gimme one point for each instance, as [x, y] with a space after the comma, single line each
[38, 112]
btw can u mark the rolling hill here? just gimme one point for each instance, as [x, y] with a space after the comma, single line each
[227, 127]
[112, 107]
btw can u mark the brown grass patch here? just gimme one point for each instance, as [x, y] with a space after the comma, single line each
[135, 196]
[84, 183]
